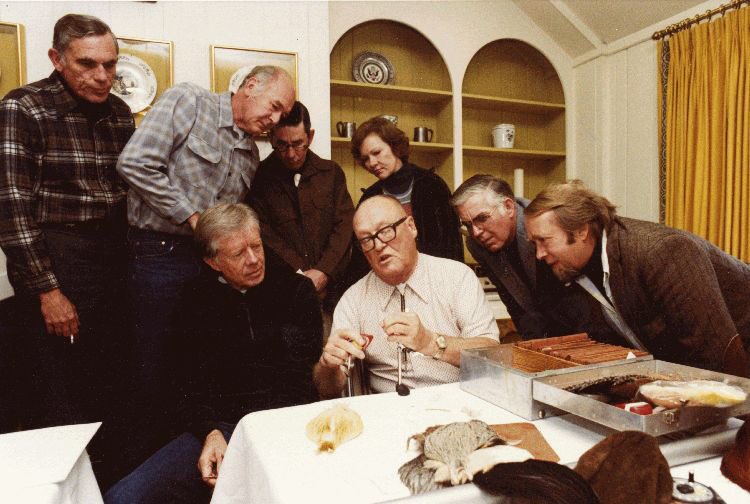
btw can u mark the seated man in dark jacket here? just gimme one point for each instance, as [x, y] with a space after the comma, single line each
[250, 336]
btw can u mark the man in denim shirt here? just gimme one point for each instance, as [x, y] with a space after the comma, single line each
[193, 150]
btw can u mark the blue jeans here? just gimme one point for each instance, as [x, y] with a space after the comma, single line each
[160, 265]
[168, 476]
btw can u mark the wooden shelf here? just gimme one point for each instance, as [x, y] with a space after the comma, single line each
[513, 153]
[387, 92]
[342, 142]
[511, 104]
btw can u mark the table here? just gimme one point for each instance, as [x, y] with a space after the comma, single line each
[270, 459]
[48, 466]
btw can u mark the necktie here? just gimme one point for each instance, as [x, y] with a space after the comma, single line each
[610, 313]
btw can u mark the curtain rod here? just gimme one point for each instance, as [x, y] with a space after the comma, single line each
[687, 23]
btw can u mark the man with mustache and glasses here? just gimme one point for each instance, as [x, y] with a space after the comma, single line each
[664, 290]
[62, 228]
[249, 335]
[193, 150]
[493, 218]
[433, 307]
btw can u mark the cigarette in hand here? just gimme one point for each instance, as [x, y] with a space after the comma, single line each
[72, 339]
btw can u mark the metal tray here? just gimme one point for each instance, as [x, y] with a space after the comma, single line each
[548, 390]
[488, 373]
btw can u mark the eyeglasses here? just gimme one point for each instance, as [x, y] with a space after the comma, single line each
[282, 147]
[478, 221]
[384, 234]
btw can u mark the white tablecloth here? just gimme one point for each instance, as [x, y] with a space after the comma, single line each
[270, 459]
[48, 466]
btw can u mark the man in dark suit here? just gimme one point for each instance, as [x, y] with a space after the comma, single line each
[304, 207]
[249, 336]
[661, 289]
[497, 240]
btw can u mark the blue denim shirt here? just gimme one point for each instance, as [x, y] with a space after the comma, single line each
[186, 156]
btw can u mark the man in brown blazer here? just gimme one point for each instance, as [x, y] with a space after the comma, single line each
[662, 289]
[304, 206]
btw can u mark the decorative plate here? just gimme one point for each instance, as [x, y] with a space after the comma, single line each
[372, 68]
[238, 77]
[134, 82]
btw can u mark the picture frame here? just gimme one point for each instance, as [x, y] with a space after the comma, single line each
[12, 57]
[226, 61]
[158, 55]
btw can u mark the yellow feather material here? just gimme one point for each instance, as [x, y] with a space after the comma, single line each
[334, 427]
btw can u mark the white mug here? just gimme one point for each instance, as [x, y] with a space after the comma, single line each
[503, 136]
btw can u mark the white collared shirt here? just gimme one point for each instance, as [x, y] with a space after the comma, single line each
[449, 300]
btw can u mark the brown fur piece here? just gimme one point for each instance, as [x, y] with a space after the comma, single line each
[736, 462]
[627, 467]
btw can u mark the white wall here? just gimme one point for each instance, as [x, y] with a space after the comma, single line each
[300, 27]
[616, 126]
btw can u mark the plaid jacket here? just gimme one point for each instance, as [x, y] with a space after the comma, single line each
[53, 168]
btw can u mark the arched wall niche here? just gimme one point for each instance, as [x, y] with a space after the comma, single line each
[508, 81]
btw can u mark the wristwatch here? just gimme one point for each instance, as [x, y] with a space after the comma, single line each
[442, 344]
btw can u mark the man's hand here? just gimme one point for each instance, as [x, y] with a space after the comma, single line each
[209, 463]
[340, 345]
[60, 315]
[407, 329]
[319, 279]
[193, 220]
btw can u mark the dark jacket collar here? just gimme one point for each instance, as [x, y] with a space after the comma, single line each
[311, 166]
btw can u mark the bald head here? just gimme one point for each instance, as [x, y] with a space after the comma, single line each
[383, 218]
[380, 205]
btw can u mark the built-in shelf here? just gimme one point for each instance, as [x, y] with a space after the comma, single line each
[415, 146]
[388, 92]
[513, 153]
[511, 104]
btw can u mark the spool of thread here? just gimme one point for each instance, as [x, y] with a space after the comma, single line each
[518, 182]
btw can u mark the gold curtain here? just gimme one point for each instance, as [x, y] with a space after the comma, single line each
[707, 131]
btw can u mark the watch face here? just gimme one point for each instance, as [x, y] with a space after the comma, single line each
[441, 342]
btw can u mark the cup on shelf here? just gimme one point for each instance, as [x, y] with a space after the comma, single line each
[423, 134]
[392, 118]
[503, 136]
[346, 129]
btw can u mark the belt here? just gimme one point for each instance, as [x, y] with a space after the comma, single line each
[89, 226]
[135, 232]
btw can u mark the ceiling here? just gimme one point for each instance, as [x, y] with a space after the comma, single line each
[582, 26]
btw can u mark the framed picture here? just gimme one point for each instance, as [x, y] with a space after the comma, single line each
[145, 69]
[230, 65]
[12, 57]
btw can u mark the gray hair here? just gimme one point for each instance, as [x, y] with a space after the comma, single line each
[217, 222]
[497, 190]
[77, 26]
[264, 74]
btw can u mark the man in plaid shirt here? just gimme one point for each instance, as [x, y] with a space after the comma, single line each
[62, 221]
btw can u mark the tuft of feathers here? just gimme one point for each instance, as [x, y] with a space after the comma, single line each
[536, 482]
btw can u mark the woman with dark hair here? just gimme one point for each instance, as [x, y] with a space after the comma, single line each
[383, 150]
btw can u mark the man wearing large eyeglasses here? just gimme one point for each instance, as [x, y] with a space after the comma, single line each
[304, 206]
[433, 307]
[493, 219]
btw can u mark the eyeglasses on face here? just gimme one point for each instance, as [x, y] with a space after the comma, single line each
[384, 234]
[479, 221]
[282, 147]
